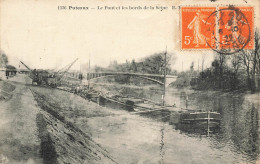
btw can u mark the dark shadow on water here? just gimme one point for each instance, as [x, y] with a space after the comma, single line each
[239, 123]
[238, 128]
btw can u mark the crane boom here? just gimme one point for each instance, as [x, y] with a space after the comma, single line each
[26, 66]
[60, 70]
[63, 73]
[34, 73]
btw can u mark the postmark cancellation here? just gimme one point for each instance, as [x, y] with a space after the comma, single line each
[223, 29]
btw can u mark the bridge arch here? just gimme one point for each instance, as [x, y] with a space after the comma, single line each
[142, 77]
[159, 79]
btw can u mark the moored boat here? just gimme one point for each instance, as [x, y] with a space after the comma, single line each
[200, 117]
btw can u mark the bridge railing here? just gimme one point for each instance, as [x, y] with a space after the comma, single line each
[131, 74]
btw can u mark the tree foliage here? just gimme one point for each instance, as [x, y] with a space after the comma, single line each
[237, 71]
[3, 59]
[153, 64]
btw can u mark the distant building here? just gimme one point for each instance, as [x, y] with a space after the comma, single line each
[10, 71]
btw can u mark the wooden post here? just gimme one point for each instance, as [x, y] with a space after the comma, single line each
[208, 121]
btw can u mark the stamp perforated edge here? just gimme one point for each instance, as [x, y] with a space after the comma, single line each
[210, 5]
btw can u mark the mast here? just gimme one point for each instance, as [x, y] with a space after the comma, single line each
[198, 65]
[164, 85]
[88, 72]
[80, 73]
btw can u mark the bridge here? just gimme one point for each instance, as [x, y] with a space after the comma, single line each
[152, 77]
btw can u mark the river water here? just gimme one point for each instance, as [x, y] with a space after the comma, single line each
[159, 138]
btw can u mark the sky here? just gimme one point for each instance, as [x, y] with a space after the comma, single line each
[42, 36]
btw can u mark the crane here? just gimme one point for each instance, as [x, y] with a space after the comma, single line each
[66, 70]
[33, 74]
[49, 79]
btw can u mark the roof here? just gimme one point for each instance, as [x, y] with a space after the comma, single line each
[10, 67]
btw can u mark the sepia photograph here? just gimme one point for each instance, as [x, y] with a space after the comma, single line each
[129, 82]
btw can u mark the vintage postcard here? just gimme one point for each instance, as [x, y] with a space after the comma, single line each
[129, 81]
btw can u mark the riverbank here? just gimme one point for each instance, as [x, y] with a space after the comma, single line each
[46, 125]
[37, 125]
[63, 140]
[19, 142]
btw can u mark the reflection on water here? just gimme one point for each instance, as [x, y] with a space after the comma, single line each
[162, 151]
[206, 129]
[233, 139]
[238, 125]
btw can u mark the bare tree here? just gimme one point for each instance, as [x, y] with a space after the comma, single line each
[222, 61]
[257, 49]
[247, 58]
[251, 61]
[236, 62]
[219, 65]
[255, 61]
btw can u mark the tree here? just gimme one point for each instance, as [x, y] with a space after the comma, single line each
[3, 59]
[155, 63]
[219, 65]
[133, 66]
[236, 62]
[222, 61]
[192, 67]
[255, 62]
[246, 58]
[251, 61]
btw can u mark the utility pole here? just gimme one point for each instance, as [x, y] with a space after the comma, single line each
[182, 66]
[88, 73]
[198, 65]
[164, 85]
[80, 73]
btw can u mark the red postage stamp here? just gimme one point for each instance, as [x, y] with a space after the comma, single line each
[223, 29]
[194, 32]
